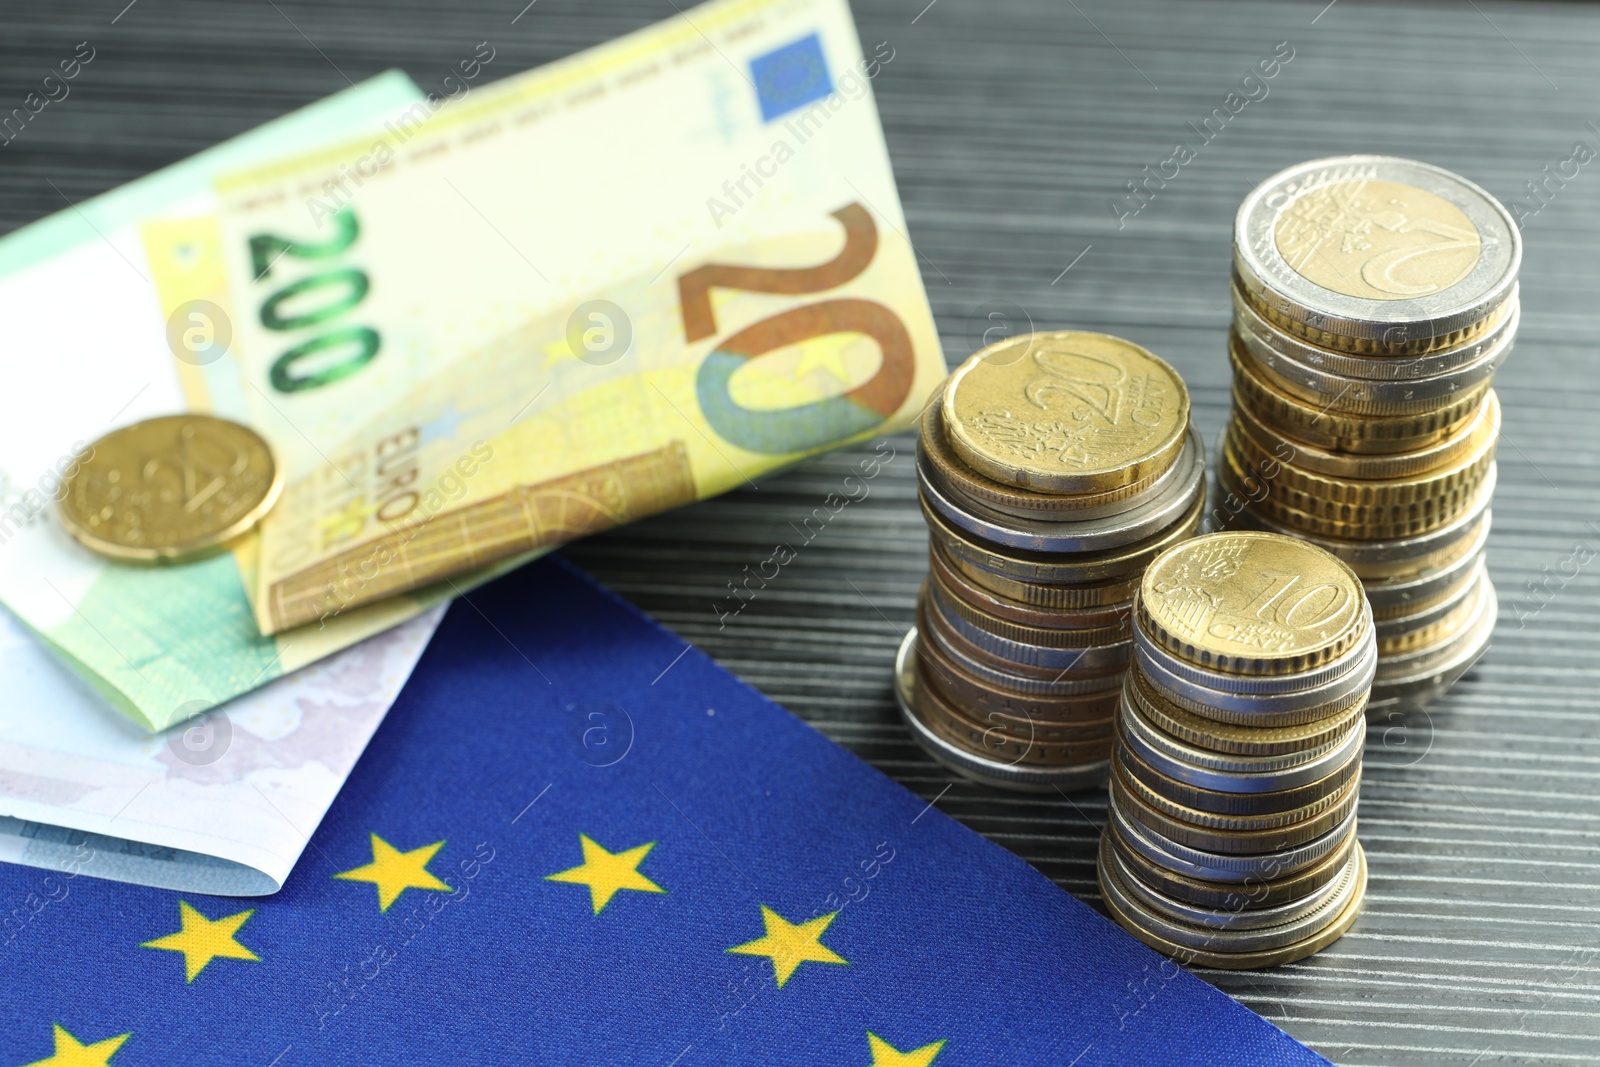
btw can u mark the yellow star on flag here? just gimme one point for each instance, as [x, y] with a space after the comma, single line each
[70, 1052]
[789, 944]
[393, 871]
[886, 1055]
[608, 873]
[202, 940]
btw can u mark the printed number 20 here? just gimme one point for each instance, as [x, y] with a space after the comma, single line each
[820, 422]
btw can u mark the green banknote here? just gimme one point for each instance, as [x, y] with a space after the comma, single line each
[90, 350]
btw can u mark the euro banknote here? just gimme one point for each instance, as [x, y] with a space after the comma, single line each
[91, 348]
[629, 280]
[224, 804]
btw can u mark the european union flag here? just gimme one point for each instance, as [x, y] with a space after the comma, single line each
[790, 77]
[575, 841]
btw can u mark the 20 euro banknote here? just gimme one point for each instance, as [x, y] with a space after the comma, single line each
[649, 272]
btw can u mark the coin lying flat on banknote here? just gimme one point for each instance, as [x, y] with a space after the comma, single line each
[170, 489]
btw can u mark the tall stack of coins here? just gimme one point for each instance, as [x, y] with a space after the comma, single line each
[1052, 468]
[1373, 300]
[1230, 839]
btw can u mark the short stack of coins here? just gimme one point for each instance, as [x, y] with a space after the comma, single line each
[1373, 300]
[1230, 838]
[1051, 467]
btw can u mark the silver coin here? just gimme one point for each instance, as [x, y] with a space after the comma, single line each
[1413, 679]
[1200, 758]
[1384, 555]
[1432, 581]
[1022, 685]
[1389, 629]
[1092, 658]
[1355, 396]
[1081, 534]
[1221, 867]
[977, 768]
[1341, 365]
[1247, 428]
[1262, 709]
[1414, 393]
[1429, 659]
[1139, 737]
[1345, 888]
[1408, 694]
[1319, 195]
[1233, 918]
[1203, 767]
[1264, 684]
[1161, 484]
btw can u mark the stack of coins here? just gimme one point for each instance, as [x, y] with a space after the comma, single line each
[1051, 469]
[1230, 838]
[1373, 300]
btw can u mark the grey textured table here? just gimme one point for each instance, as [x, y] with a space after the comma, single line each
[1011, 125]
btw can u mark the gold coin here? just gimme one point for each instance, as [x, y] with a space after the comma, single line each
[1332, 430]
[1066, 412]
[1000, 742]
[1274, 444]
[1440, 623]
[1354, 524]
[1057, 568]
[931, 621]
[1241, 961]
[1233, 841]
[1120, 629]
[1203, 732]
[1100, 596]
[1377, 240]
[959, 584]
[934, 450]
[1242, 896]
[1251, 603]
[1219, 821]
[1373, 561]
[170, 489]
[1354, 500]
[980, 697]
[1366, 346]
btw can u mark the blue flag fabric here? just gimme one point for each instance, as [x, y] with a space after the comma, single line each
[576, 842]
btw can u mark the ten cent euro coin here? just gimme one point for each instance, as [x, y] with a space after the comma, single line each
[1066, 412]
[170, 489]
[1251, 603]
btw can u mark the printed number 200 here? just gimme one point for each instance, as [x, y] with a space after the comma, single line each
[336, 352]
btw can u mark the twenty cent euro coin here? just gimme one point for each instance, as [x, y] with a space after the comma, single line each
[1066, 412]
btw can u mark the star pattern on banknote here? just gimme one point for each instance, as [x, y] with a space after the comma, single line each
[202, 940]
[70, 1052]
[443, 426]
[789, 944]
[608, 873]
[393, 871]
[886, 1055]
[825, 357]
